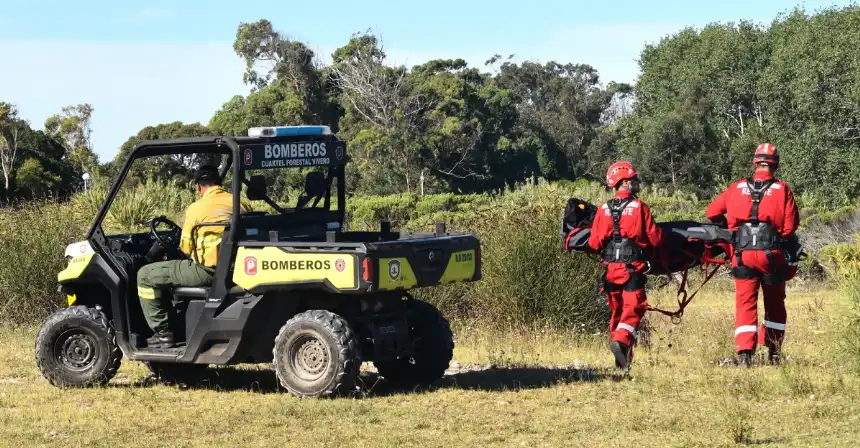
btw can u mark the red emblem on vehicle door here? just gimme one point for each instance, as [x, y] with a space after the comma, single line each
[249, 157]
[340, 265]
[251, 265]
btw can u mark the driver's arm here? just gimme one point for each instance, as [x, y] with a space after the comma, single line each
[187, 227]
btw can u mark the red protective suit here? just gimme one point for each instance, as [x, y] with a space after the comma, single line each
[626, 299]
[778, 208]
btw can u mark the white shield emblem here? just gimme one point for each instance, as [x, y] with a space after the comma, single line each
[394, 269]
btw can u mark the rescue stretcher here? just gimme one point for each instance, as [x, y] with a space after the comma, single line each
[686, 244]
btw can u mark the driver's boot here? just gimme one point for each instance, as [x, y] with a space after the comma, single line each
[161, 339]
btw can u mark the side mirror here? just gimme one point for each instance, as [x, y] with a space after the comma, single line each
[257, 189]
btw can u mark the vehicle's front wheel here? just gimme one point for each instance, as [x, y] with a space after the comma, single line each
[431, 351]
[317, 354]
[76, 347]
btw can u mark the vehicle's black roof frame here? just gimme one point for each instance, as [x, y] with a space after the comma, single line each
[227, 145]
[151, 148]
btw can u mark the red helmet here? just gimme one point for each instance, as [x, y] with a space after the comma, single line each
[766, 152]
[619, 171]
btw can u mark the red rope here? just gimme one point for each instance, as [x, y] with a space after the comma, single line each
[683, 299]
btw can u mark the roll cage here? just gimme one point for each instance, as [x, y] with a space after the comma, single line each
[253, 154]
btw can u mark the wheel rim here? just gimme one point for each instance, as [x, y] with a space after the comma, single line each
[309, 357]
[76, 349]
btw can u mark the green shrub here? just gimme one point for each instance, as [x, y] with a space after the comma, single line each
[841, 261]
[366, 212]
[851, 342]
[32, 243]
[135, 204]
[527, 279]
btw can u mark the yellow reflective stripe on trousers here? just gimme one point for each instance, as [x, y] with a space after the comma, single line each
[148, 293]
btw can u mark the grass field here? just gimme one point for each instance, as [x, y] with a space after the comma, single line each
[527, 388]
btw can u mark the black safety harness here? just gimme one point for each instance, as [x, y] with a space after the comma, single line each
[620, 249]
[754, 234]
[625, 250]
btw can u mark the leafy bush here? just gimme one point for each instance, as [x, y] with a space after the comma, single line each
[841, 261]
[850, 282]
[135, 204]
[527, 279]
[32, 242]
[413, 212]
[366, 212]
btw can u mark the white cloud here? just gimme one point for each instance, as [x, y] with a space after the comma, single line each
[130, 85]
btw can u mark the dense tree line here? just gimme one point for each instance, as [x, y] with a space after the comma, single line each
[704, 99]
[49, 162]
[439, 126]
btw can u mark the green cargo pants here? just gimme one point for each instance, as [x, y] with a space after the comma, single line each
[153, 287]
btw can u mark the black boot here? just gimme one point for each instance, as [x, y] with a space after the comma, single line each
[773, 355]
[620, 351]
[745, 358]
[161, 339]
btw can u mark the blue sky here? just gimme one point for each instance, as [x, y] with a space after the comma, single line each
[141, 65]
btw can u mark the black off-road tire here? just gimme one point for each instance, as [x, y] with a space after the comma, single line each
[433, 348]
[177, 373]
[76, 347]
[317, 354]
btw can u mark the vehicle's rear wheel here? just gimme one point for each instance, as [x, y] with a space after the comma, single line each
[176, 373]
[76, 347]
[317, 354]
[432, 348]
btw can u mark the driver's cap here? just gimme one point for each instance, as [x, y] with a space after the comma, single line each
[207, 173]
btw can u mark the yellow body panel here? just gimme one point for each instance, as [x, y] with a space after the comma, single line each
[396, 273]
[461, 267]
[75, 267]
[273, 265]
[71, 299]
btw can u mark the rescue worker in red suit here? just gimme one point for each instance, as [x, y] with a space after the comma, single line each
[762, 214]
[625, 231]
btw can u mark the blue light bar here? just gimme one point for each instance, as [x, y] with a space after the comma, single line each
[281, 131]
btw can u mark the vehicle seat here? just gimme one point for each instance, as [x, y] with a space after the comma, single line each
[315, 187]
[186, 291]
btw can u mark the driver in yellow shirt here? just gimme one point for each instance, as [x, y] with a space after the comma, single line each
[155, 280]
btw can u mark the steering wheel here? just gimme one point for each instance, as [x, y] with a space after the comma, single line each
[171, 240]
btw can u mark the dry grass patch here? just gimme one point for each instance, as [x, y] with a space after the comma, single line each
[546, 388]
